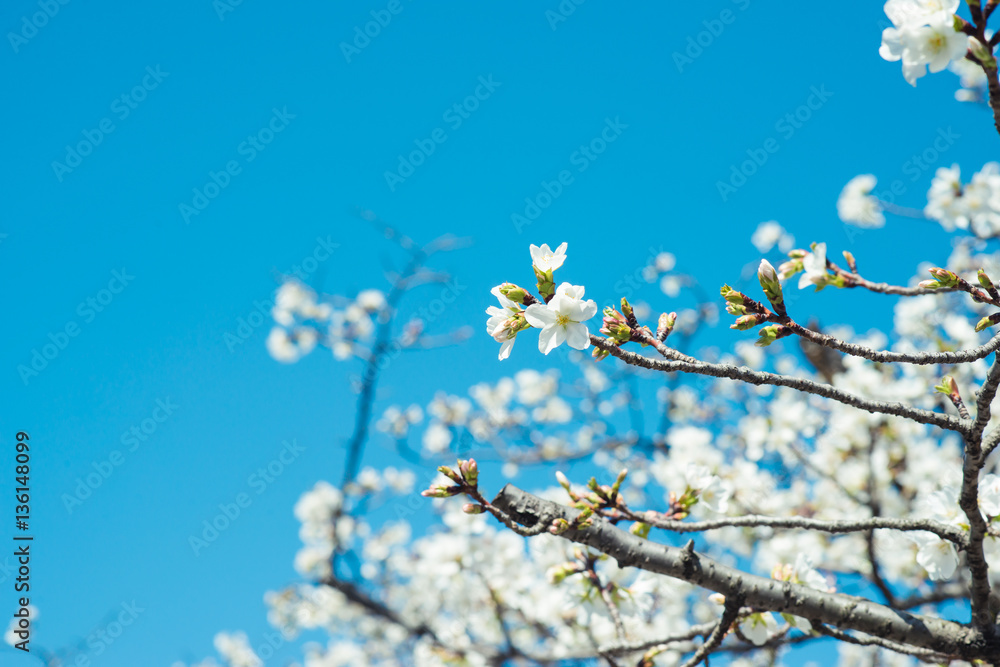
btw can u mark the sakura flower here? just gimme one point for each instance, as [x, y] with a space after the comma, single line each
[857, 206]
[545, 259]
[560, 320]
[923, 36]
[769, 234]
[504, 322]
[759, 627]
[935, 555]
[713, 492]
[989, 495]
[814, 264]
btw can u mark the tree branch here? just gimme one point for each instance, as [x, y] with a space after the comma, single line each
[843, 611]
[744, 374]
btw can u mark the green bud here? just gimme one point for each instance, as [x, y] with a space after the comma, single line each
[439, 491]
[984, 280]
[745, 322]
[618, 481]
[513, 292]
[768, 278]
[985, 323]
[557, 573]
[450, 474]
[559, 526]
[944, 277]
[731, 295]
[640, 529]
[768, 335]
[788, 269]
[469, 470]
[626, 308]
[947, 387]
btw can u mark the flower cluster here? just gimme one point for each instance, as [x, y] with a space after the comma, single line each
[302, 321]
[857, 205]
[974, 206]
[925, 34]
[559, 315]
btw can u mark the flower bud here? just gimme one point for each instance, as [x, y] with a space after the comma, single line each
[948, 386]
[626, 308]
[472, 508]
[640, 529]
[731, 295]
[745, 322]
[984, 280]
[440, 491]
[985, 323]
[768, 278]
[469, 470]
[769, 334]
[852, 263]
[513, 292]
[559, 526]
[665, 325]
[616, 326]
[943, 278]
[562, 479]
[450, 474]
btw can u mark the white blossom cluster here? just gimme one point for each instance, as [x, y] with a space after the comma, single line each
[924, 35]
[974, 206]
[468, 592]
[302, 321]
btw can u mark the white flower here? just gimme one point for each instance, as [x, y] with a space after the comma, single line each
[856, 204]
[935, 555]
[280, 346]
[561, 319]
[944, 199]
[712, 490]
[923, 35]
[815, 267]
[806, 574]
[770, 233]
[235, 650]
[758, 627]
[502, 322]
[989, 495]
[371, 300]
[547, 260]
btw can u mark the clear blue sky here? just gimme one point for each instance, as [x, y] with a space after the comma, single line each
[335, 128]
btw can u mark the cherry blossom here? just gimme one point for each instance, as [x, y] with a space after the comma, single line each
[561, 320]
[546, 260]
[856, 204]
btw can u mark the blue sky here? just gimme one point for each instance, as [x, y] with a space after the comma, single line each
[297, 132]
